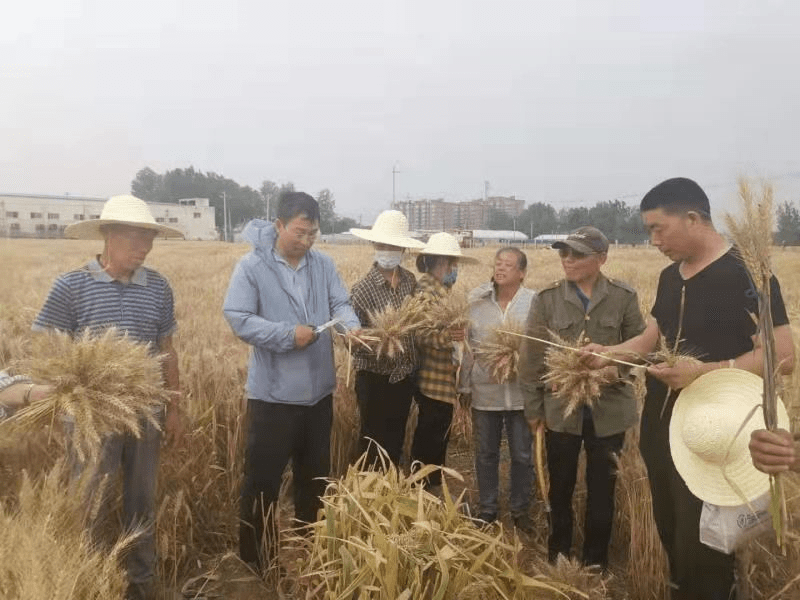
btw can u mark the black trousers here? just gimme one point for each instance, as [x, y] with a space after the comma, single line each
[563, 450]
[432, 434]
[276, 433]
[384, 411]
[697, 572]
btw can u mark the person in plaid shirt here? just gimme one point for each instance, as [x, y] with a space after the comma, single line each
[436, 378]
[384, 385]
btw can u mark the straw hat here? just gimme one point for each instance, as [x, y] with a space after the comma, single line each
[391, 227]
[707, 416]
[120, 210]
[444, 244]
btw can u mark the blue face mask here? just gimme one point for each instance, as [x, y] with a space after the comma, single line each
[450, 278]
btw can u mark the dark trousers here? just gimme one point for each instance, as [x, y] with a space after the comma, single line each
[276, 433]
[432, 434]
[384, 411]
[601, 476]
[697, 572]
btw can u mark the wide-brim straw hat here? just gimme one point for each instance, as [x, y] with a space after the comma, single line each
[391, 227]
[705, 436]
[444, 244]
[120, 210]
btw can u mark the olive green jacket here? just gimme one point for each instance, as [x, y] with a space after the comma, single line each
[613, 316]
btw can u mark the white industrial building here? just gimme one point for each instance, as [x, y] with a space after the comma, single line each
[33, 215]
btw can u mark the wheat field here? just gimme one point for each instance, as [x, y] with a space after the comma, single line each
[199, 481]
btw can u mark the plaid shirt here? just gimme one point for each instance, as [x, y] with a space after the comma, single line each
[373, 294]
[437, 371]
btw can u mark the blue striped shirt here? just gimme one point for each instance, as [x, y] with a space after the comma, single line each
[88, 298]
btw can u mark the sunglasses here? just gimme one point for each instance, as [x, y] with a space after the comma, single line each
[566, 252]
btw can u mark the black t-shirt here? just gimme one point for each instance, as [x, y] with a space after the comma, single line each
[717, 321]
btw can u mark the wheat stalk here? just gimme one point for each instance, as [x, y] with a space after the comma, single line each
[104, 384]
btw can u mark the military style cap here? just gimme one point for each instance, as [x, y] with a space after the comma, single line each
[586, 240]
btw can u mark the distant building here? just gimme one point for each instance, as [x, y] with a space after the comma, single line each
[441, 215]
[550, 238]
[32, 215]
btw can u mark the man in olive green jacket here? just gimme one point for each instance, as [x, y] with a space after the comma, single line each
[584, 305]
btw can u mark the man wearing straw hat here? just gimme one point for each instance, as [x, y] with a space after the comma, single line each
[703, 308]
[585, 304]
[116, 289]
[284, 299]
[384, 385]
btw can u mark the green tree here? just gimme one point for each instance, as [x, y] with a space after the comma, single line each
[538, 218]
[610, 217]
[499, 219]
[344, 224]
[572, 218]
[327, 211]
[788, 222]
[148, 185]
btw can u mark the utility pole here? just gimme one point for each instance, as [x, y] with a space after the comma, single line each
[395, 171]
[225, 214]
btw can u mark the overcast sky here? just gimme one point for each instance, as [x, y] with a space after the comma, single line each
[564, 102]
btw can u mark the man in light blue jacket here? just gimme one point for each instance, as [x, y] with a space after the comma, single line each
[279, 296]
[503, 303]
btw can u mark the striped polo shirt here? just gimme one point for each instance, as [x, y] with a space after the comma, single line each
[89, 298]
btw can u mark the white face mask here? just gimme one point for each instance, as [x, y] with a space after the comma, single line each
[388, 259]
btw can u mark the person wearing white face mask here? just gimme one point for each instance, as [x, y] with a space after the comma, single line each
[384, 384]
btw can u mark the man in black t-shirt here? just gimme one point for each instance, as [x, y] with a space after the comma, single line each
[704, 300]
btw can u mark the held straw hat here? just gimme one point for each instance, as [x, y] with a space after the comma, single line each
[391, 227]
[703, 436]
[444, 244]
[120, 210]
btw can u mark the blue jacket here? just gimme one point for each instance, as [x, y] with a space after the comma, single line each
[264, 313]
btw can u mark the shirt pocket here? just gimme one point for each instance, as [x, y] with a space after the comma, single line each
[566, 328]
[607, 329]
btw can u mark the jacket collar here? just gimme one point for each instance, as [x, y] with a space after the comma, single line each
[599, 292]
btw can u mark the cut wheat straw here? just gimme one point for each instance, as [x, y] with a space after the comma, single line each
[382, 535]
[752, 236]
[499, 355]
[390, 329]
[104, 385]
[569, 378]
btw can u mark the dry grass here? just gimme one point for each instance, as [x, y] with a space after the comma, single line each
[105, 384]
[199, 482]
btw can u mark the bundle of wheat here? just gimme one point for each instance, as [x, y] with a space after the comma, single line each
[499, 355]
[382, 535]
[390, 329]
[752, 236]
[450, 311]
[569, 378]
[46, 551]
[104, 384]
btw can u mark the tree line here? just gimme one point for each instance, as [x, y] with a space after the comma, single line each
[618, 220]
[242, 202]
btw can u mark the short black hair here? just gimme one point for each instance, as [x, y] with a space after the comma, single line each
[294, 204]
[677, 195]
[428, 262]
[522, 258]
